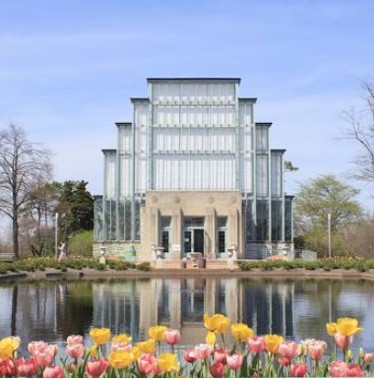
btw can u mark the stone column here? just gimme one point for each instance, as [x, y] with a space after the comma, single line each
[233, 228]
[210, 233]
[175, 301]
[176, 233]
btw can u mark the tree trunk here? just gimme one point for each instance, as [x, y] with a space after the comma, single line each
[15, 232]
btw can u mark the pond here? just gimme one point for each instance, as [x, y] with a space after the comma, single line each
[53, 310]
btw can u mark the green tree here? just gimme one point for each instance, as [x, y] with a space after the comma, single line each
[326, 195]
[314, 201]
[75, 208]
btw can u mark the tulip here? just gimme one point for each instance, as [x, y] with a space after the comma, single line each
[136, 352]
[75, 351]
[172, 337]
[92, 351]
[256, 344]
[122, 338]
[331, 328]
[120, 359]
[157, 332]
[220, 355]
[217, 370]
[217, 323]
[338, 369]
[203, 351]
[190, 355]
[121, 346]
[74, 339]
[284, 361]
[299, 369]
[34, 346]
[241, 332]
[288, 349]
[368, 358]
[43, 357]
[148, 364]
[210, 338]
[52, 372]
[7, 368]
[100, 336]
[8, 345]
[235, 361]
[95, 368]
[167, 362]
[316, 348]
[25, 368]
[354, 370]
[348, 326]
[272, 342]
[343, 341]
[147, 346]
[54, 349]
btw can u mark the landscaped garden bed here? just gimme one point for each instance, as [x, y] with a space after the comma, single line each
[160, 355]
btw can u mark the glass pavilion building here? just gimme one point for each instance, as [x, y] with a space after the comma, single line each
[193, 172]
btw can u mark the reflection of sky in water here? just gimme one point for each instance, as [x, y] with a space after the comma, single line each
[298, 310]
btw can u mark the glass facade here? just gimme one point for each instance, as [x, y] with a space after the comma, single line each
[262, 220]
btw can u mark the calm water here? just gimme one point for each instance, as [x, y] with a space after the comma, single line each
[53, 310]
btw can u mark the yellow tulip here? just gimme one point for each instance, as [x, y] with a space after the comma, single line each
[168, 362]
[120, 359]
[122, 338]
[210, 338]
[93, 351]
[272, 342]
[8, 345]
[348, 326]
[147, 346]
[157, 332]
[217, 323]
[241, 332]
[136, 351]
[100, 336]
[331, 328]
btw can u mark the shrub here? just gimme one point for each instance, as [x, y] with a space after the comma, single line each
[146, 267]
[81, 244]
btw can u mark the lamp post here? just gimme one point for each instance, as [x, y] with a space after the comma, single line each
[56, 234]
[329, 232]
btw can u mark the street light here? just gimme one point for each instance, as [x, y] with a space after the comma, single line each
[329, 232]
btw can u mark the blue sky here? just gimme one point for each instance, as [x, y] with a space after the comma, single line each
[69, 67]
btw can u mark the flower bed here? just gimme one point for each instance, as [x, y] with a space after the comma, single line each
[250, 356]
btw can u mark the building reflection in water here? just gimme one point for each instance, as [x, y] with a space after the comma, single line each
[52, 311]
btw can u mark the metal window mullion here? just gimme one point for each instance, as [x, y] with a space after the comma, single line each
[237, 143]
[269, 185]
[133, 179]
[105, 230]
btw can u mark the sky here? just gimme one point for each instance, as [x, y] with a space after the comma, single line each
[69, 67]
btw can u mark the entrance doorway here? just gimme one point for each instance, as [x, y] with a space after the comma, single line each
[193, 235]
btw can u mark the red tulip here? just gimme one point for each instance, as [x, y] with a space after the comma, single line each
[217, 370]
[7, 368]
[338, 369]
[288, 349]
[283, 361]
[354, 370]
[95, 368]
[25, 368]
[190, 355]
[51, 372]
[299, 369]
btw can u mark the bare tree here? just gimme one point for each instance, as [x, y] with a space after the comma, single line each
[23, 167]
[361, 129]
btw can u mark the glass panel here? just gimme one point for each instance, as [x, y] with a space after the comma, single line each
[262, 175]
[276, 174]
[98, 218]
[262, 220]
[165, 241]
[187, 241]
[276, 220]
[288, 220]
[250, 225]
[221, 241]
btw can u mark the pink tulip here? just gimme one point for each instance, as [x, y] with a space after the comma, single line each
[53, 372]
[220, 355]
[342, 341]
[147, 364]
[190, 355]
[203, 351]
[256, 344]
[338, 369]
[288, 349]
[75, 351]
[217, 370]
[43, 357]
[368, 358]
[172, 337]
[235, 361]
[25, 368]
[34, 346]
[54, 349]
[7, 368]
[74, 339]
[315, 348]
[354, 370]
[299, 369]
[284, 361]
[95, 368]
[121, 346]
